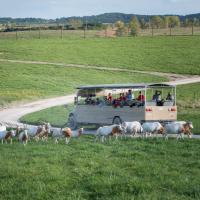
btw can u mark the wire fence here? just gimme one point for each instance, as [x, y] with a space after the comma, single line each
[110, 32]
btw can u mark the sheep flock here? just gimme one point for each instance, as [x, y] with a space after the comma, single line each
[27, 133]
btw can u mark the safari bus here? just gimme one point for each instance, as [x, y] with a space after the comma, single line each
[115, 103]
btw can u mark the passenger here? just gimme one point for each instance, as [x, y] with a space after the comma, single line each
[88, 100]
[155, 96]
[141, 99]
[122, 99]
[129, 96]
[109, 98]
[97, 101]
[169, 97]
[160, 101]
[116, 103]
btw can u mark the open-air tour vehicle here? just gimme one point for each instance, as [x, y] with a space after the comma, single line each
[115, 103]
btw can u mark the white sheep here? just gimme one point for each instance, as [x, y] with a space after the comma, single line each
[106, 131]
[152, 128]
[67, 133]
[132, 128]
[23, 137]
[6, 135]
[179, 128]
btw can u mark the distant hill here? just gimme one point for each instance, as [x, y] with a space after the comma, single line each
[102, 18]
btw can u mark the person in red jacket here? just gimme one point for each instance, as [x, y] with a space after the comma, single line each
[141, 98]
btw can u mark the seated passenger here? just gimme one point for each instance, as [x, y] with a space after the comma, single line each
[160, 101]
[155, 96]
[109, 98]
[141, 99]
[129, 95]
[122, 99]
[116, 103]
[169, 97]
[97, 101]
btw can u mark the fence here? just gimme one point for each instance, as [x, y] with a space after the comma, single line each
[31, 34]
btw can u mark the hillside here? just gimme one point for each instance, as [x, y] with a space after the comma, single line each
[102, 18]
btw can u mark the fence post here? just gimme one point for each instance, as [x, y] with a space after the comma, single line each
[84, 32]
[16, 35]
[61, 32]
[192, 28]
[152, 33]
[106, 34]
[170, 31]
[39, 33]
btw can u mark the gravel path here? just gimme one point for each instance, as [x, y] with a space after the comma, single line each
[171, 76]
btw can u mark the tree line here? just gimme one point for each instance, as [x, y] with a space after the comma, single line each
[155, 22]
[122, 27]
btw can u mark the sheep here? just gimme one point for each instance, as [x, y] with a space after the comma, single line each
[7, 135]
[37, 132]
[179, 128]
[132, 128]
[105, 131]
[23, 137]
[66, 133]
[152, 128]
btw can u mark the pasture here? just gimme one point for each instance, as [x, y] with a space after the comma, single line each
[124, 169]
[178, 54]
[28, 82]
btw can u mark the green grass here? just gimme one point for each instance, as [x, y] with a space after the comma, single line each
[57, 116]
[166, 54]
[127, 169]
[28, 82]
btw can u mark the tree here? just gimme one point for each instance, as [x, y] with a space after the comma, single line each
[134, 26]
[143, 24]
[156, 22]
[75, 23]
[120, 28]
[173, 21]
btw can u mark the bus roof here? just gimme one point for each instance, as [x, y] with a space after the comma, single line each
[125, 86]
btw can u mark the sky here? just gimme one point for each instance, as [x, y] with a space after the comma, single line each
[51, 9]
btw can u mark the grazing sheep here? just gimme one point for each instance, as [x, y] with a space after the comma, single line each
[66, 133]
[23, 137]
[152, 128]
[180, 128]
[106, 131]
[132, 128]
[7, 136]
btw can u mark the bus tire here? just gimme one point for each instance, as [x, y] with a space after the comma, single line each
[72, 123]
[117, 120]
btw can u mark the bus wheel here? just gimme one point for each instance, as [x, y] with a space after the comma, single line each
[117, 120]
[72, 123]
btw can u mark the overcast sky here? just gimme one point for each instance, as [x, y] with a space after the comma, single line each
[66, 8]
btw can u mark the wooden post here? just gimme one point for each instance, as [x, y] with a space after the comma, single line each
[106, 33]
[84, 32]
[192, 29]
[152, 31]
[61, 32]
[16, 35]
[170, 31]
[39, 33]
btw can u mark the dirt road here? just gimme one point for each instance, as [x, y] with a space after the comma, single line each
[171, 76]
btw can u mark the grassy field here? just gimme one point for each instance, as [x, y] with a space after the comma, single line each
[166, 54]
[123, 170]
[28, 82]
